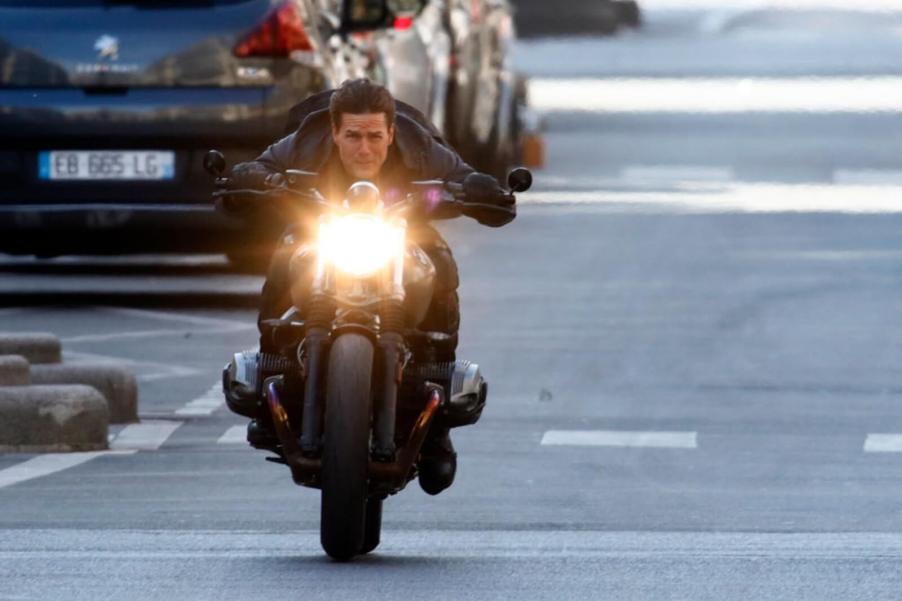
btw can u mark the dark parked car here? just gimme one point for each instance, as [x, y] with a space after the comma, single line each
[108, 106]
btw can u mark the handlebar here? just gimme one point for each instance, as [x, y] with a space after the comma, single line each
[450, 201]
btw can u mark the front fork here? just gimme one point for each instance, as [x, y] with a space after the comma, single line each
[320, 315]
[393, 350]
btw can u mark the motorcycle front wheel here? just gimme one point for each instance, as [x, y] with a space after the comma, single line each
[373, 527]
[346, 446]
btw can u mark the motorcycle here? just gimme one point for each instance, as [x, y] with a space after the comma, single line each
[354, 388]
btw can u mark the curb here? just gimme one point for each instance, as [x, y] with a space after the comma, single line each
[52, 419]
[14, 371]
[117, 385]
[36, 348]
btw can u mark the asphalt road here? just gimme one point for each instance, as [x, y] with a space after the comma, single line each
[688, 333]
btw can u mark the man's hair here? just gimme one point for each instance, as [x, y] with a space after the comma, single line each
[361, 96]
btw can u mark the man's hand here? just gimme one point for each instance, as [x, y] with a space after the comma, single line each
[274, 180]
[482, 188]
[490, 204]
[250, 176]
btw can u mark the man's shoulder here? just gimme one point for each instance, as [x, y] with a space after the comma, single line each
[313, 104]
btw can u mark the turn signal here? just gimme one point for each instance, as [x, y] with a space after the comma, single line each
[280, 34]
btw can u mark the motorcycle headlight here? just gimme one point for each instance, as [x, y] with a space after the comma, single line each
[359, 244]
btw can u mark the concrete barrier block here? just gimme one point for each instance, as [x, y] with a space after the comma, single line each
[14, 371]
[52, 419]
[116, 384]
[36, 348]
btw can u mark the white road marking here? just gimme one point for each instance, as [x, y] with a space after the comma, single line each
[122, 546]
[149, 435]
[717, 21]
[843, 5]
[234, 435]
[206, 404]
[621, 438]
[868, 177]
[151, 370]
[722, 95]
[134, 335]
[883, 443]
[676, 173]
[828, 255]
[198, 320]
[736, 198]
[637, 177]
[44, 465]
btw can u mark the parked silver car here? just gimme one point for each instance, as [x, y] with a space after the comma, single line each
[452, 60]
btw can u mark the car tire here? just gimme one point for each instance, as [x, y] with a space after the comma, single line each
[628, 13]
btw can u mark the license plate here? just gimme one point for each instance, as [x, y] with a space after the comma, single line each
[116, 165]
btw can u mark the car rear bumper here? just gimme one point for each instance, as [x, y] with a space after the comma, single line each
[111, 228]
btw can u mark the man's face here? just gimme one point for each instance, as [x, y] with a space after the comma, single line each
[363, 142]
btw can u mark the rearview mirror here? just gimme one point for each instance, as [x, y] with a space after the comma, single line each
[362, 15]
[214, 162]
[519, 179]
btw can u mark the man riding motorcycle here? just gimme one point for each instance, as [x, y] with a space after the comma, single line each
[360, 132]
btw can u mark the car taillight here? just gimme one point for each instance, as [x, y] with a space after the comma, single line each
[402, 23]
[281, 33]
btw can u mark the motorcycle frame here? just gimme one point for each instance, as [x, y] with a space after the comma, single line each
[390, 469]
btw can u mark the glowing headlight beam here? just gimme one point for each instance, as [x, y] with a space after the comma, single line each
[359, 244]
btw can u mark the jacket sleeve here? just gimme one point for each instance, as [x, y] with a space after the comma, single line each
[275, 159]
[445, 164]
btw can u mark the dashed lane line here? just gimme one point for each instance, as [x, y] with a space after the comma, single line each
[883, 443]
[621, 438]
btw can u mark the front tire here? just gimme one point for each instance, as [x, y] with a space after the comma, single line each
[346, 446]
[373, 529]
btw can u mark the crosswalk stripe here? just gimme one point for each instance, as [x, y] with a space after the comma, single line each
[44, 465]
[149, 435]
[206, 404]
[620, 438]
[234, 435]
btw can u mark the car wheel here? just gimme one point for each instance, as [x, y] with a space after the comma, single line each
[628, 13]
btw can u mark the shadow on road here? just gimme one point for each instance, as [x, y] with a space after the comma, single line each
[144, 300]
[139, 281]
